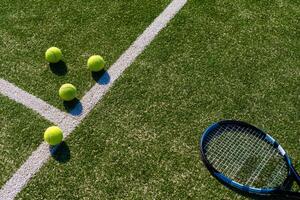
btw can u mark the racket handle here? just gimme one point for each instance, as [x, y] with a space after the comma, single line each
[287, 195]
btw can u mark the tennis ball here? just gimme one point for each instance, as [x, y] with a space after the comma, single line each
[53, 135]
[53, 55]
[95, 63]
[67, 92]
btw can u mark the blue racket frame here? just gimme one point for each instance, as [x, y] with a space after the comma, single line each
[244, 189]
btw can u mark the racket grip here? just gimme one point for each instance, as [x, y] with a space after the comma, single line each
[281, 194]
[291, 196]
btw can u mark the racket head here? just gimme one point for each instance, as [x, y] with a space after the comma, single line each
[236, 153]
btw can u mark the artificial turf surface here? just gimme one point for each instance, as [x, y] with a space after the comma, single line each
[21, 132]
[79, 28]
[216, 60]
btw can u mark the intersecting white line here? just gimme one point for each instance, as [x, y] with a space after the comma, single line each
[49, 112]
[66, 121]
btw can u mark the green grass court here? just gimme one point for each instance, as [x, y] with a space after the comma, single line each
[230, 59]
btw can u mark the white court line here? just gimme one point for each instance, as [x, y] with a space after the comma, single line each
[49, 112]
[15, 184]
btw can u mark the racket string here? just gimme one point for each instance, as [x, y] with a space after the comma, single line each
[228, 153]
[231, 153]
[221, 154]
[217, 154]
[230, 149]
[261, 166]
[248, 153]
[245, 151]
[278, 174]
[242, 150]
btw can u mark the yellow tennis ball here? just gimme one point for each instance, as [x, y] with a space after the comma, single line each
[95, 63]
[67, 92]
[53, 55]
[53, 135]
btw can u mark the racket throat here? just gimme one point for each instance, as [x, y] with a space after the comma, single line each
[288, 184]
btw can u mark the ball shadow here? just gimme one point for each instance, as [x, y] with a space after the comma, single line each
[59, 68]
[60, 152]
[74, 107]
[102, 77]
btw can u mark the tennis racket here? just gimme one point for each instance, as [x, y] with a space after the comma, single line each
[247, 160]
